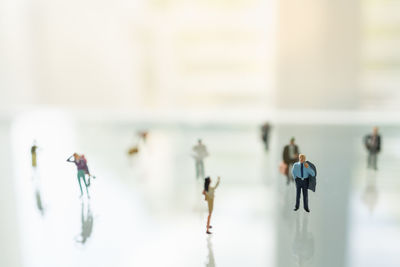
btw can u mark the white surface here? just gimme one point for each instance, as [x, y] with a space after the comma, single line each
[149, 211]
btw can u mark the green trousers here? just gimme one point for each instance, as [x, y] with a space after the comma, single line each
[81, 174]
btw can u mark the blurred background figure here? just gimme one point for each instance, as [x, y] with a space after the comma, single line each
[133, 151]
[290, 156]
[34, 149]
[373, 144]
[140, 140]
[265, 129]
[87, 223]
[199, 154]
[143, 135]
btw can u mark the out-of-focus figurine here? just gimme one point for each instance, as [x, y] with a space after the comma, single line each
[200, 153]
[302, 172]
[265, 129]
[290, 156]
[133, 151]
[34, 149]
[83, 169]
[373, 144]
[140, 140]
[143, 135]
[208, 192]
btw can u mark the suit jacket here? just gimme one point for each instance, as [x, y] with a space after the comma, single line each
[312, 180]
[286, 156]
[373, 149]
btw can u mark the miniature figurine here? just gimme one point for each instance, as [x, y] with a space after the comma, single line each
[143, 135]
[265, 129]
[290, 155]
[301, 172]
[200, 153]
[208, 192]
[373, 144]
[140, 140]
[82, 169]
[34, 149]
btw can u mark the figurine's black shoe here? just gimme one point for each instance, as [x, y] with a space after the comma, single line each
[210, 227]
[208, 232]
[295, 209]
[307, 210]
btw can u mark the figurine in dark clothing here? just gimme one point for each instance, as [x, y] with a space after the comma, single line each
[373, 144]
[290, 156]
[265, 129]
[301, 173]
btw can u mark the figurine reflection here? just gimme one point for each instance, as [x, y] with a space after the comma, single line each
[87, 223]
[303, 243]
[210, 261]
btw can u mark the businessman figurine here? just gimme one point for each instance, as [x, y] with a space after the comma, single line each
[373, 144]
[300, 172]
[290, 156]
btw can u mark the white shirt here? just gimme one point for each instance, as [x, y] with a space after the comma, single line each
[200, 152]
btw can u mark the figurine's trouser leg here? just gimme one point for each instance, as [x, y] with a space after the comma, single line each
[369, 160]
[302, 185]
[298, 192]
[81, 174]
[305, 193]
[197, 169]
[201, 165]
[373, 160]
[210, 210]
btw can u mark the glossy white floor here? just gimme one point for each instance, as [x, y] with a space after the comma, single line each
[149, 211]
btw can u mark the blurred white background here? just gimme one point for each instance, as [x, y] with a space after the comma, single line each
[84, 75]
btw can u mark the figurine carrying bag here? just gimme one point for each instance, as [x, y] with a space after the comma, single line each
[312, 179]
[283, 168]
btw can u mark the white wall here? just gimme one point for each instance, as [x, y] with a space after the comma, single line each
[318, 54]
[138, 54]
